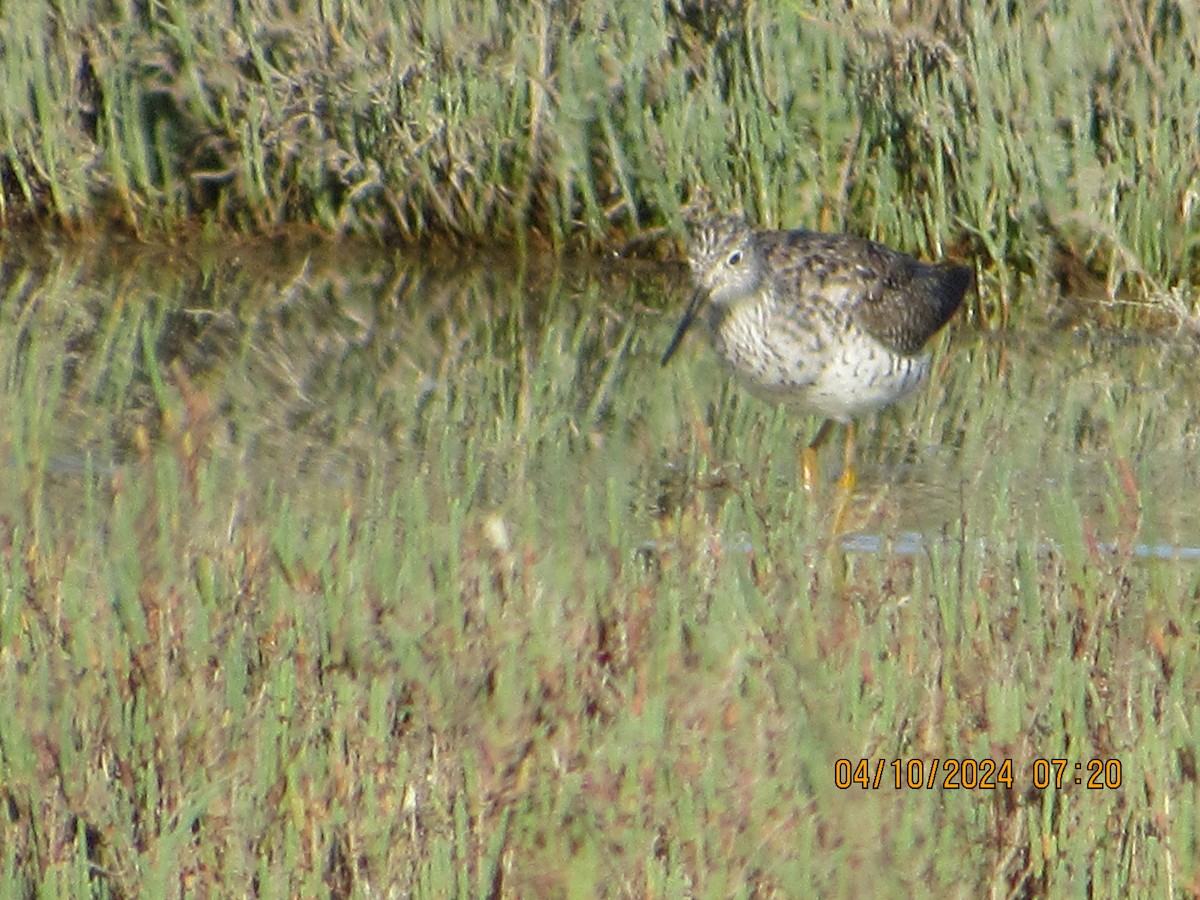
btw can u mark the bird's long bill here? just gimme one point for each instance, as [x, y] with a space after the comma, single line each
[685, 323]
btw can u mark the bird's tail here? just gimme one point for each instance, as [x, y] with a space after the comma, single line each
[945, 286]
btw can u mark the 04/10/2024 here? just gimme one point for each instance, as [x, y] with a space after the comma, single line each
[974, 774]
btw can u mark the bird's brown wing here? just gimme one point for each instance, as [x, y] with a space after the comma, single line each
[898, 300]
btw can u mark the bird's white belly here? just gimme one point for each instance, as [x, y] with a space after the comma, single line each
[840, 379]
[851, 384]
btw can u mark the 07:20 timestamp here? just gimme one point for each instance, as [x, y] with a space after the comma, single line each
[973, 774]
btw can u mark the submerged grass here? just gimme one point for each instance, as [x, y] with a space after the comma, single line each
[1056, 144]
[357, 578]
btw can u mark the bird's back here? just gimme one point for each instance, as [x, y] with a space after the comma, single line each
[898, 300]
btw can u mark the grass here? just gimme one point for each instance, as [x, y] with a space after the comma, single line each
[1055, 146]
[343, 576]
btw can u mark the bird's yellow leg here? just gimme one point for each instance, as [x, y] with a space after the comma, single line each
[838, 522]
[849, 474]
[808, 456]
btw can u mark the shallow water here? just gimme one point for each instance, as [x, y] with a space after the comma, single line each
[326, 373]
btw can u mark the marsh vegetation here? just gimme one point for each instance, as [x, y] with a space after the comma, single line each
[343, 573]
[333, 570]
[1056, 145]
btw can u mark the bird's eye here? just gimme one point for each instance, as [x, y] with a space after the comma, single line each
[735, 258]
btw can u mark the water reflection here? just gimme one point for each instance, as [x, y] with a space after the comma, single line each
[330, 371]
[912, 543]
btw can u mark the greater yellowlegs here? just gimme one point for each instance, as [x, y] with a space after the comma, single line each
[827, 323]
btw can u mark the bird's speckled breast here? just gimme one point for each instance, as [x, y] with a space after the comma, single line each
[816, 360]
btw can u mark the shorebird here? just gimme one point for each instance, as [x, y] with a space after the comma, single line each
[826, 323]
